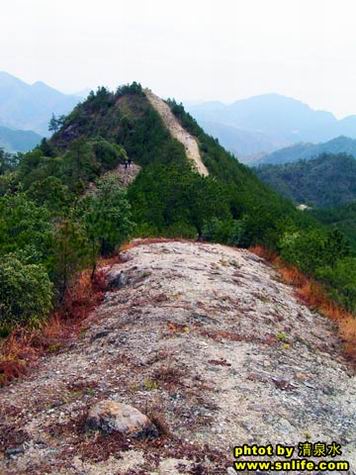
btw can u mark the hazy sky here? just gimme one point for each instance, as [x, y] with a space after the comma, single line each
[190, 49]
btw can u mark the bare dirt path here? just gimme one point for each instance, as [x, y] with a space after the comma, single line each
[205, 336]
[178, 132]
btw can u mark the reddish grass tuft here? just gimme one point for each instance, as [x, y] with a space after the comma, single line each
[263, 252]
[314, 295]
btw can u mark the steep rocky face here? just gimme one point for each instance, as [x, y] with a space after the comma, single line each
[207, 342]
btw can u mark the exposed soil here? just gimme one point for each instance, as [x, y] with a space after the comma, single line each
[178, 132]
[209, 343]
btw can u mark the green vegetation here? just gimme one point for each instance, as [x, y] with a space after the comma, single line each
[60, 210]
[342, 218]
[328, 184]
[7, 161]
[26, 292]
[172, 200]
[51, 226]
[260, 216]
[326, 181]
[105, 215]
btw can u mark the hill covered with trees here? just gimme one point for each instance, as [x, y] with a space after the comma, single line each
[61, 208]
[341, 217]
[326, 181]
[307, 151]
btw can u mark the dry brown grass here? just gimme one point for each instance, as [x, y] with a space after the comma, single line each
[24, 346]
[314, 295]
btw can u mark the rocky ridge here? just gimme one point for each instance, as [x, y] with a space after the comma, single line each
[209, 344]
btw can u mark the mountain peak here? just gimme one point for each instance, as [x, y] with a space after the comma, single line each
[40, 84]
[281, 120]
[30, 106]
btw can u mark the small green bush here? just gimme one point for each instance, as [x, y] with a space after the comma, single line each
[25, 292]
[340, 281]
[232, 232]
[181, 230]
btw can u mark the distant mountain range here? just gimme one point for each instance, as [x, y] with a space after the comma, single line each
[29, 107]
[18, 140]
[250, 128]
[306, 151]
[262, 124]
[325, 181]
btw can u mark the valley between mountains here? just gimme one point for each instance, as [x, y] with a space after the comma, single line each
[210, 344]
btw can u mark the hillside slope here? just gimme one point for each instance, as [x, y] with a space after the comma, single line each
[307, 151]
[209, 339]
[154, 139]
[325, 181]
[189, 142]
[341, 217]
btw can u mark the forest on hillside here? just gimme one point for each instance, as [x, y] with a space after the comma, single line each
[326, 181]
[326, 184]
[60, 209]
[341, 217]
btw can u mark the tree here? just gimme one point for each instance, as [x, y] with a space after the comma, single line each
[165, 196]
[46, 148]
[108, 155]
[80, 165]
[52, 193]
[340, 281]
[56, 123]
[70, 251]
[7, 161]
[23, 224]
[106, 217]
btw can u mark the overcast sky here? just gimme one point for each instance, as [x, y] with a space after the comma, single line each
[189, 49]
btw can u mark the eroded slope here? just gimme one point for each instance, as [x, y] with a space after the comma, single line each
[178, 132]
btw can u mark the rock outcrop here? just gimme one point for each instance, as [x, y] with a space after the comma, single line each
[110, 416]
[205, 339]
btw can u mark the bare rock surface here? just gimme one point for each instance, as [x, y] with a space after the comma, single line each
[178, 132]
[208, 343]
[124, 175]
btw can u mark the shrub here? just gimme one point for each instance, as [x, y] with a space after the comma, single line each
[23, 223]
[313, 249]
[181, 230]
[26, 292]
[232, 232]
[106, 217]
[52, 193]
[341, 282]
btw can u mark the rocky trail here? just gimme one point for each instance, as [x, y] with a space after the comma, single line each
[178, 132]
[208, 345]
